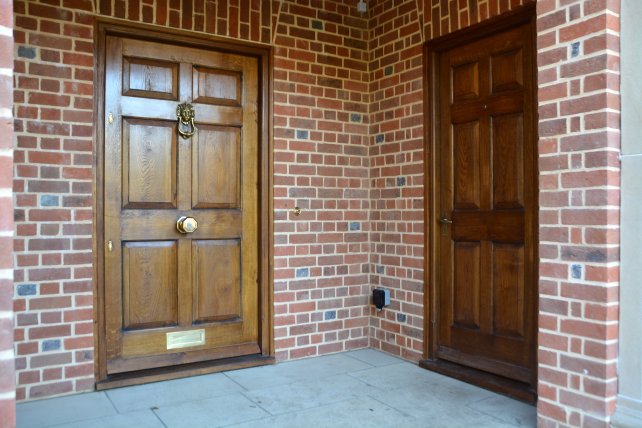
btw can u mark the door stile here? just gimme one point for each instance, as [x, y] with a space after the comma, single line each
[112, 195]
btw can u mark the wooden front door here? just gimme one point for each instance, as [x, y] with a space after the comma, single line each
[174, 297]
[485, 205]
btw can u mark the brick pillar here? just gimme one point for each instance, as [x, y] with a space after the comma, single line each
[7, 377]
[579, 111]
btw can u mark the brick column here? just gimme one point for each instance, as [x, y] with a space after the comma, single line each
[7, 377]
[579, 111]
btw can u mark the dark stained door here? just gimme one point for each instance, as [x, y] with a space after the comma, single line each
[171, 297]
[486, 176]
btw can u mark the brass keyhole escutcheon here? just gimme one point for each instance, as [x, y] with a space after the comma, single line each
[186, 224]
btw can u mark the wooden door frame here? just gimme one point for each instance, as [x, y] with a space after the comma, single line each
[432, 49]
[112, 27]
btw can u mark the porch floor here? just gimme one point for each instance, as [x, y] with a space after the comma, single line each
[364, 388]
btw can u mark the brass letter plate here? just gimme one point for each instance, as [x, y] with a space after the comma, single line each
[185, 339]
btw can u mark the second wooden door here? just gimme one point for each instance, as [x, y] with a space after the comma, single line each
[486, 222]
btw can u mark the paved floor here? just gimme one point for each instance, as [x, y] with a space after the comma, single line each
[362, 388]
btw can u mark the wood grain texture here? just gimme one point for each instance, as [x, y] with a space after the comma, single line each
[150, 78]
[149, 164]
[150, 284]
[217, 280]
[216, 167]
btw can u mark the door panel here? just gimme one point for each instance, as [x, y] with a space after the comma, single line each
[150, 284]
[149, 164]
[175, 298]
[486, 292]
[508, 165]
[217, 286]
[508, 289]
[150, 78]
[216, 168]
[466, 286]
[217, 87]
[467, 174]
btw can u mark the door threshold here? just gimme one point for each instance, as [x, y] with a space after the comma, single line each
[511, 388]
[182, 371]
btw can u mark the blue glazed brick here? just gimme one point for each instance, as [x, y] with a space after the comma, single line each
[355, 117]
[576, 271]
[355, 225]
[49, 201]
[302, 134]
[381, 269]
[26, 52]
[302, 273]
[380, 138]
[317, 25]
[27, 289]
[330, 315]
[401, 181]
[51, 345]
[388, 70]
[575, 49]
[401, 317]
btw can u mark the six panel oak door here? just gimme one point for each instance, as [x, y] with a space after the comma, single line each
[158, 281]
[486, 287]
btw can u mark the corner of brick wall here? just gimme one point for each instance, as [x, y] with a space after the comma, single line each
[396, 175]
[579, 111]
[7, 376]
[321, 164]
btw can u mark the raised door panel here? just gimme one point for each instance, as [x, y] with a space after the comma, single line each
[150, 78]
[149, 163]
[217, 280]
[150, 284]
[508, 289]
[216, 86]
[507, 71]
[467, 284]
[466, 171]
[508, 161]
[216, 167]
[465, 82]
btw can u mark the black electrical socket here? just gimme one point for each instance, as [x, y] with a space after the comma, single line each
[379, 298]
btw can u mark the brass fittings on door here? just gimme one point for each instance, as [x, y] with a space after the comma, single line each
[186, 224]
[185, 115]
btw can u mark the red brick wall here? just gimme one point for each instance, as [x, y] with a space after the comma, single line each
[578, 62]
[321, 165]
[7, 378]
[53, 197]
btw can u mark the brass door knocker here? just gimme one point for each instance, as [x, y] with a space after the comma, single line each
[185, 115]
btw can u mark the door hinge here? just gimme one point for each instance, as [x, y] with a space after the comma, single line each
[110, 118]
[110, 246]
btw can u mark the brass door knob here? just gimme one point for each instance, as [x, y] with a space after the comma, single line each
[186, 224]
